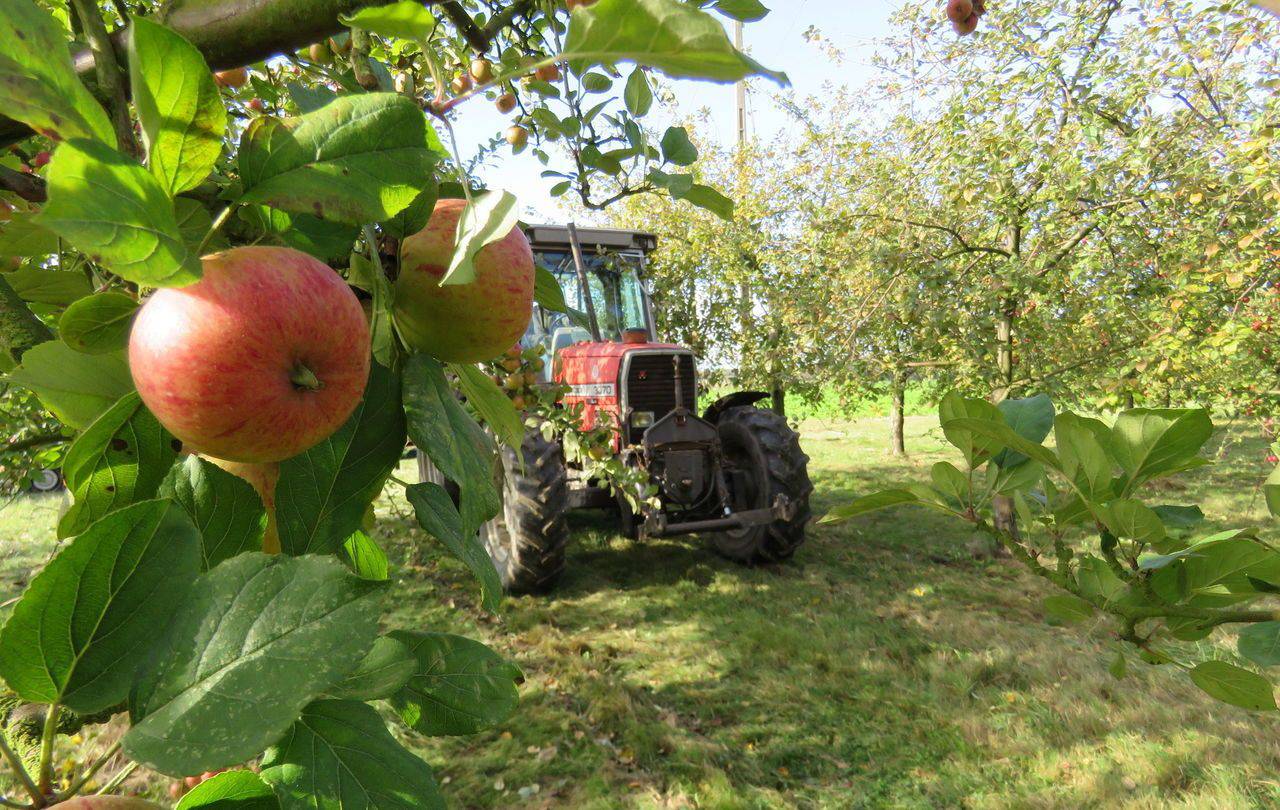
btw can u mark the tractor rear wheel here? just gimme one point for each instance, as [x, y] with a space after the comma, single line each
[765, 454]
[526, 541]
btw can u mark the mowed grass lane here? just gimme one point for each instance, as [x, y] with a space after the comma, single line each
[884, 667]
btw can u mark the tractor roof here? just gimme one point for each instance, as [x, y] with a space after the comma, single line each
[553, 236]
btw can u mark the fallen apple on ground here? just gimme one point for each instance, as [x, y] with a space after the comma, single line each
[260, 359]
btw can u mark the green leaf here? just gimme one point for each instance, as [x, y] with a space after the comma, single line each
[415, 216]
[1179, 517]
[674, 37]
[121, 458]
[322, 493]
[255, 640]
[1149, 443]
[21, 236]
[440, 427]
[436, 513]
[990, 435]
[488, 218]
[76, 387]
[194, 223]
[460, 686]
[309, 98]
[677, 185]
[361, 158]
[1084, 458]
[870, 503]
[637, 95]
[1016, 479]
[742, 10]
[38, 83]
[383, 672]
[710, 199]
[224, 507]
[230, 790]
[40, 285]
[1097, 579]
[975, 448]
[406, 20]
[78, 632]
[1132, 520]
[493, 405]
[677, 148]
[327, 241]
[111, 209]
[178, 105]
[596, 83]
[1228, 563]
[367, 558]
[1260, 643]
[98, 324]
[1067, 608]
[340, 756]
[951, 482]
[546, 290]
[1231, 684]
[1030, 418]
[369, 277]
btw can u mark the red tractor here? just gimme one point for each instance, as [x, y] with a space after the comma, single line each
[735, 473]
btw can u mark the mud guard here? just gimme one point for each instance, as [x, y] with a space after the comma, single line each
[734, 400]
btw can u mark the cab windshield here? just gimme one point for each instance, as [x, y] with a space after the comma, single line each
[616, 291]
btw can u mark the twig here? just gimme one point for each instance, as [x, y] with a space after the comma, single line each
[474, 35]
[87, 775]
[108, 71]
[47, 737]
[29, 187]
[124, 774]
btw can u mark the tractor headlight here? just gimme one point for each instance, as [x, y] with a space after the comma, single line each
[641, 419]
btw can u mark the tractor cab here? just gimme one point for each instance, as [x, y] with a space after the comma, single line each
[613, 265]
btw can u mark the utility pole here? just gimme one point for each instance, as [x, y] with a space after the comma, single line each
[741, 89]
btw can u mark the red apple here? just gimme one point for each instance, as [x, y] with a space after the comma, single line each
[260, 359]
[463, 323]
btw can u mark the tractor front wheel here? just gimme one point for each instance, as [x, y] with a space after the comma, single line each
[762, 459]
[526, 541]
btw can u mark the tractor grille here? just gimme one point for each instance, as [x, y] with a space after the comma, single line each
[651, 386]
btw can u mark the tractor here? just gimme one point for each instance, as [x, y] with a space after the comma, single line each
[735, 473]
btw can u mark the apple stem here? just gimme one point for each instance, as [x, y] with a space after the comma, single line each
[304, 379]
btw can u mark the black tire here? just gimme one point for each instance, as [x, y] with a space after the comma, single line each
[761, 443]
[526, 541]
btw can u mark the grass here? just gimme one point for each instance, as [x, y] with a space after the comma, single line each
[883, 667]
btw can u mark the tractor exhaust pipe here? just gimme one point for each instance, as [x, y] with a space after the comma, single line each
[576, 247]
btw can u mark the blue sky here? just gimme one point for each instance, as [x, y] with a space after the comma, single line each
[776, 41]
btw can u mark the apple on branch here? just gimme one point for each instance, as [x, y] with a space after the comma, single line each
[263, 357]
[463, 323]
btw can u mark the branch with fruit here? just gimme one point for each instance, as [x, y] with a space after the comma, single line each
[1163, 586]
[238, 323]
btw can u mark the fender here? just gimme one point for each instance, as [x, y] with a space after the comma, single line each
[734, 400]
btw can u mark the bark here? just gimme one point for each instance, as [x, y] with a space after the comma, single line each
[1003, 515]
[779, 397]
[897, 439]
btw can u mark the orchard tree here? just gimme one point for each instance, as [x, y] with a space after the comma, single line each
[1057, 147]
[729, 282]
[228, 291]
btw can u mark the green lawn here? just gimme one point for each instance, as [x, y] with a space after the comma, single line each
[883, 667]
